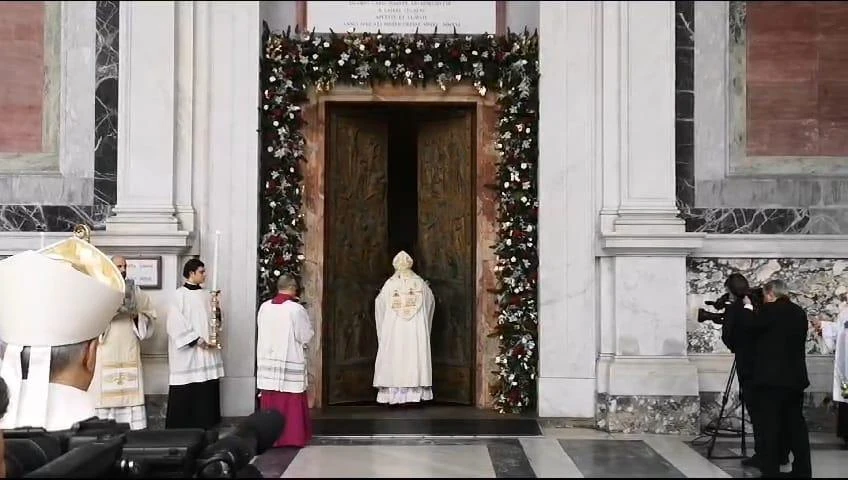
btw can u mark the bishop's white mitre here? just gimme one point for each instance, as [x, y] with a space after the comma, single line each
[63, 294]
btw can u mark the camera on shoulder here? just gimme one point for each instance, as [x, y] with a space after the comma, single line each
[723, 302]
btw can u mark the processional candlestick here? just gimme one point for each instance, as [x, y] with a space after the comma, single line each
[215, 323]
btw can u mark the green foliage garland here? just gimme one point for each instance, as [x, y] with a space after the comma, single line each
[508, 65]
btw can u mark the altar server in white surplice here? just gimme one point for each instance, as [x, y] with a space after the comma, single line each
[404, 313]
[835, 337]
[194, 397]
[54, 304]
[283, 333]
[118, 387]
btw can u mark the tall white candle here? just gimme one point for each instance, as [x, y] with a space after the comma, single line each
[42, 238]
[215, 261]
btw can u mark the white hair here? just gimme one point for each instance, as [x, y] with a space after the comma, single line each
[778, 288]
[61, 357]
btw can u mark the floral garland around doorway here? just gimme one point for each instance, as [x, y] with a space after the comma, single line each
[508, 65]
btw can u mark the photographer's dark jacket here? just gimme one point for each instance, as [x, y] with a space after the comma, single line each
[737, 335]
[780, 332]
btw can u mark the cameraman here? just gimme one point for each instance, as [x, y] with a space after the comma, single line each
[738, 336]
[781, 377]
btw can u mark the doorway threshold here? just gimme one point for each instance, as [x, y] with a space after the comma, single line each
[425, 421]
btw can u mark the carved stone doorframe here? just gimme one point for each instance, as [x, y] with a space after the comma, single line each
[314, 113]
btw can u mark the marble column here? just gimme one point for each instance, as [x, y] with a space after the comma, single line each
[568, 151]
[191, 58]
[146, 118]
[646, 381]
[233, 35]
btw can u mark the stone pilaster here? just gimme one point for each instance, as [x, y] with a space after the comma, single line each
[646, 381]
[568, 87]
[146, 118]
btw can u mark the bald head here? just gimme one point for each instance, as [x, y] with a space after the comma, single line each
[287, 284]
[121, 263]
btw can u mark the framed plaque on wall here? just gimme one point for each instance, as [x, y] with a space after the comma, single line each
[145, 271]
[403, 17]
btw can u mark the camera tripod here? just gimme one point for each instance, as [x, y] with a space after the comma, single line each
[714, 430]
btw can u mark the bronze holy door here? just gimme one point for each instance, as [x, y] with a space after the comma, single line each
[357, 253]
[445, 248]
[357, 260]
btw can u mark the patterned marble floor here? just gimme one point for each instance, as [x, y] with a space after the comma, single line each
[559, 452]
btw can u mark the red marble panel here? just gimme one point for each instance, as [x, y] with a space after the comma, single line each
[834, 138]
[776, 101]
[783, 137]
[833, 60]
[797, 78]
[313, 248]
[21, 76]
[832, 21]
[833, 100]
[783, 62]
[781, 21]
[487, 158]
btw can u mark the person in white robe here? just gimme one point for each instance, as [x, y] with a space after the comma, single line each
[194, 397]
[404, 315]
[835, 339]
[118, 386]
[283, 333]
[54, 305]
[4, 404]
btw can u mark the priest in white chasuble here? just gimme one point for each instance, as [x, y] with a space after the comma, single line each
[835, 337]
[54, 305]
[404, 314]
[118, 386]
[194, 397]
[283, 333]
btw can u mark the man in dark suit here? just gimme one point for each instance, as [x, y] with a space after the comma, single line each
[737, 335]
[780, 378]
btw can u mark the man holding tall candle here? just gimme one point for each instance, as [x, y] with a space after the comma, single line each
[195, 365]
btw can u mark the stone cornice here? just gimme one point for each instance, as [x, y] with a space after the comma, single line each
[774, 246]
[723, 245]
[645, 244]
[159, 243]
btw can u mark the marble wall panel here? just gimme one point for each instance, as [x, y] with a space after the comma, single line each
[803, 213]
[818, 285]
[818, 411]
[63, 218]
[647, 414]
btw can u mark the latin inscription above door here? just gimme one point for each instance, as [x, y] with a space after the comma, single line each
[357, 258]
[445, 250]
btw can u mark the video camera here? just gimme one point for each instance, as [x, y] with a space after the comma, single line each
[98, 448]
[721, 303]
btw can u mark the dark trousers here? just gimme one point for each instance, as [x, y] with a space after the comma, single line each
[195, 405]
[842, 421]
[781, 417]
[751, 401]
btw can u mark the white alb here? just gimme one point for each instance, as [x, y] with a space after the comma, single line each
[835, 336]
[283, 332]
[404, 315]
